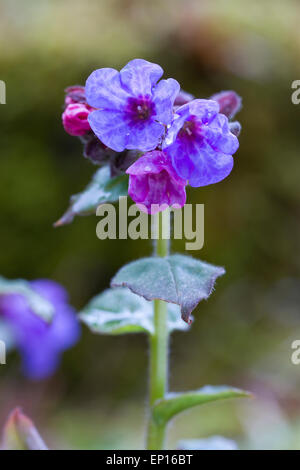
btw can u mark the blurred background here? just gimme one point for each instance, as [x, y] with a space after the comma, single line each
[242, 336]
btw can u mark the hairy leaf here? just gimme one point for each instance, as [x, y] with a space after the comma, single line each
[118, 311]
[102, 189]
[177, 279]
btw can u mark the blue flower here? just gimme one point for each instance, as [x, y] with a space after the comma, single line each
[132, 108]
[200, 143]
[41, 344]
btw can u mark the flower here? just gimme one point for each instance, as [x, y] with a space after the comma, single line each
[40, 343]
[75, 119]
[200, 143]
[132, 108]
[153, 183]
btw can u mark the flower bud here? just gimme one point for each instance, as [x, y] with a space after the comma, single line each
[235, 128]
[229, 101]
[120, 162]
[94, 150]
[75, 94]
[75, 119]
[182, 98]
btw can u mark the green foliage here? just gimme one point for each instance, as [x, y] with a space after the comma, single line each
[100, 190]
[118, 311]
[175, 403]
[177, 279]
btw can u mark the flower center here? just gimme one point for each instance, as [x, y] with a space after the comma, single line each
[141, 108]
[189, 129]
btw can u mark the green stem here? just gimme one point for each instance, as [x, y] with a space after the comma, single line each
[159, 348]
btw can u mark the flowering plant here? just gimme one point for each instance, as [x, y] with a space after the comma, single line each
[150, 139]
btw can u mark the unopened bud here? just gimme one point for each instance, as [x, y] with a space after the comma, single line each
[229, 101]
[182, 98]
[75, 119]
[235, 128]
[75, 94]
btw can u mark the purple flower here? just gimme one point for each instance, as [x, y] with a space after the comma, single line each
[132, 108]
[41, 344]
[200, 143]
[75, 119]
[153, 183]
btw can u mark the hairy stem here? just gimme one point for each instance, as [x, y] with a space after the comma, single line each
[159, 344]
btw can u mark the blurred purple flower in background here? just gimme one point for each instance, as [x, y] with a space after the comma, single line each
[40, 343]
[132, 108]
[200, 143]
[153, 182]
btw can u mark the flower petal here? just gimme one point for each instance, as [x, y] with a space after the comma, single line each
[103, 89]
[204, 110]
[199, 163]
[164, 96]
[139, 76]
[179, 118]
[219, 136]
[111, 127]
[145, 136]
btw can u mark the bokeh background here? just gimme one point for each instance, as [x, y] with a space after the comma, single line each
[242, 335]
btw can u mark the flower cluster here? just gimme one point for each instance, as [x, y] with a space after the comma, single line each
[166, 137]
[40, 343]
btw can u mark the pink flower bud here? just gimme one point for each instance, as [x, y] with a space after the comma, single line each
[75, 119]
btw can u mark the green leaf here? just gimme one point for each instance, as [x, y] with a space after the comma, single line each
[37, 303]
[210, 443]
[174, 403]
[118, 311]
[102, 189]
[177, 279]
